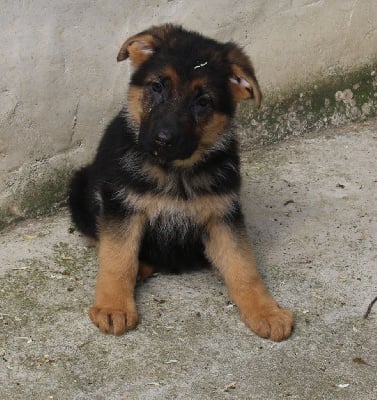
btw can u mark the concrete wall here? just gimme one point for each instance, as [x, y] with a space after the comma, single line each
[60, 83]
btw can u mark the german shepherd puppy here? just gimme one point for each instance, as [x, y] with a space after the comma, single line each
[163, 192]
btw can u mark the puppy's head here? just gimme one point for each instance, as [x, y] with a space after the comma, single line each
[184, 90]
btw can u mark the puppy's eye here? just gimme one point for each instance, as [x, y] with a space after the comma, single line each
[204, 101]
[157, 87]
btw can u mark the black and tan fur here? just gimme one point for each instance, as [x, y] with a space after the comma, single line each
[162, 193]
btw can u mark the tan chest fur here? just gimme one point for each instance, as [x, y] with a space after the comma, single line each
[200, 209]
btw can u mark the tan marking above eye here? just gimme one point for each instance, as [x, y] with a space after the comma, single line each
[198, 83]
[171, 73]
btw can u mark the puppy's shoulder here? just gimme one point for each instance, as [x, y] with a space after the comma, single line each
[117, 139]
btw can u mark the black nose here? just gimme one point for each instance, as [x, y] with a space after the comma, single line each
[164, 137]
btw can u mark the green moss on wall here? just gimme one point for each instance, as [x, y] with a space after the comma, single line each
[41, 194]
[331, 101]
[45, 195]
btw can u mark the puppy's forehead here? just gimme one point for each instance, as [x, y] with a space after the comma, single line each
[193, 63]
[184, 67]
[190, 58]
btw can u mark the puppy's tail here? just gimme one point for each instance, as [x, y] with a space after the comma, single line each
[83, 204]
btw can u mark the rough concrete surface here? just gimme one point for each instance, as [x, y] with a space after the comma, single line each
[311, 206]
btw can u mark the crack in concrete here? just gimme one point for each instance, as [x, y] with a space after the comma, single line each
[351, 14]
[74, 122]
[11, 115]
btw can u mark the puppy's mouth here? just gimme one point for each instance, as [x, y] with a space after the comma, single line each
[160, 156]
[165, 152]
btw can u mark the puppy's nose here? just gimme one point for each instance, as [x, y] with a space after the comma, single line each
[164, 137]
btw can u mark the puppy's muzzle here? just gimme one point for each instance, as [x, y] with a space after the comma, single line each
[164, 138]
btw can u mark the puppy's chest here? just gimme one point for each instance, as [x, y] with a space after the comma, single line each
[167, 211]
[172, 226]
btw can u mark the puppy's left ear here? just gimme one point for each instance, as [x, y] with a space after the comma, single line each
[243, 83]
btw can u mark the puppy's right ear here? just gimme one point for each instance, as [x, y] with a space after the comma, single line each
[141, 47]
[138, 48]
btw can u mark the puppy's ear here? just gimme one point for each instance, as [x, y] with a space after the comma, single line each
[138, 48]
[243, 83]
[141, 47]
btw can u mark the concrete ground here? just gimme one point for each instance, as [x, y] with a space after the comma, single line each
[311, 204]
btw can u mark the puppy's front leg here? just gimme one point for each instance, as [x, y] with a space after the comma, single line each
[229, 251]
[114, 310]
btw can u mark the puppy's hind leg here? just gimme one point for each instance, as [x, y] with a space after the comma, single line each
[145, 271]
[83, 203]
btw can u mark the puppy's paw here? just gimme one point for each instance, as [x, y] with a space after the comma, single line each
[113, 321]
[272, 323]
